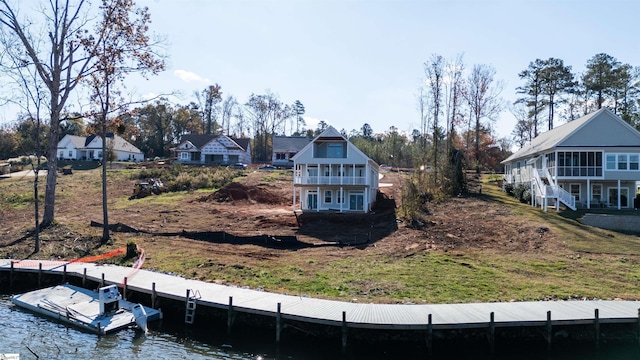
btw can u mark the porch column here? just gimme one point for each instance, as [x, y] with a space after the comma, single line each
[619, 194]
[341, 197]
[533, 193]
[366, 200]
[294, 198]
[341, 177]
[366, 174]
[319, 172]
[319, 198]
[588, 194]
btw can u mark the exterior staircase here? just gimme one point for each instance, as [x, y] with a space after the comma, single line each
[549, 189]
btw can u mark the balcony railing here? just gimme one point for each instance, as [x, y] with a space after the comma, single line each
[330, 180]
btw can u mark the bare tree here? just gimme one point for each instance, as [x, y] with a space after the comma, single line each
[523, 131]
[228, 105]
[454, 74]
[34, 94]
[483, 97]
[422, 104]
[122, 47]
[209, 99]
[59, 60]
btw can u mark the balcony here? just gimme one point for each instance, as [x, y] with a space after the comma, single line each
[329, 180]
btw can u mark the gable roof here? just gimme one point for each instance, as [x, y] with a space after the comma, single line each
[242, 142]
[198, 140]
[77, 141]
[119, 144]
[92, 137]
[569, 135]
[288, 143]
[330, 133]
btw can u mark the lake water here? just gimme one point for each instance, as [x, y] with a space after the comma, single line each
[22, 333]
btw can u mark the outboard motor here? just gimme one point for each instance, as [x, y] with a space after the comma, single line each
[140, 315]
[109, 299]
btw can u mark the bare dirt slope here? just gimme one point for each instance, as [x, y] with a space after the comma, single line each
[260, 204]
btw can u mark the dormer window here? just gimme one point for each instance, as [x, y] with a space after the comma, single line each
[333, 150]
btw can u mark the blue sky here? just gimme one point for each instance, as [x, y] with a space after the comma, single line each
[354, 62]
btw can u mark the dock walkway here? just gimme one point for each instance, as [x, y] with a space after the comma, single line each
[350, 314]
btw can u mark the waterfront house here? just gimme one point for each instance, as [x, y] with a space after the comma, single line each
[593, 161]
[332, 174]
[285, 148]
[212, 149]
[72, 147]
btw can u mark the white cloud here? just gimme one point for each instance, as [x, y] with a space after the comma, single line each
[311, 122]
[188, 76]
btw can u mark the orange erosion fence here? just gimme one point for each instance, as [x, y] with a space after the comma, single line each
[87, 259]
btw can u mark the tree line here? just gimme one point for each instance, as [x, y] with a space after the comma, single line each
[550, 87]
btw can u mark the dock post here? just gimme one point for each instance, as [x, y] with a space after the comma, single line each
[64, 273]
[124, 289]
[549, 336]
[153, 295]
[492, 333]
[84, 277]
[430, 336]
[102, 280]
[230, 315]
[39, 274]
[186, 301]
[344, 331]
[11, 278]
[278, 324]
[597, 328]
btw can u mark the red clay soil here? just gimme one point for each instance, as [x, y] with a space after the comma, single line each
[237, 192]
[260, 204]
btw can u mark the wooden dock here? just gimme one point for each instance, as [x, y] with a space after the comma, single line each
[343, 314]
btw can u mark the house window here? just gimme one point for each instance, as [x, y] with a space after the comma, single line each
[575, 191]
[327, 196]
[184, 156]
[70, 153]
[100, 154]
[611, 161]
[281, 156]
[61, 154]
[633, 161]
[330, 150]
[340, 194]
[580, 163]
[622, 162]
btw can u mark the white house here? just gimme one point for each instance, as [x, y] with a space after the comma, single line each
[331, 174]
[285, 148]
[593, 161]
[212, 149]
[73, 147]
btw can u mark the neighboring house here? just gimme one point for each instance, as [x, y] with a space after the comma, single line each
[593, 161]
[331, 174]
[285, 148]
[73, 147]
[211, 149]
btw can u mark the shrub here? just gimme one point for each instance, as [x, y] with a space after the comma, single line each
[520, 193]
[508, 188]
